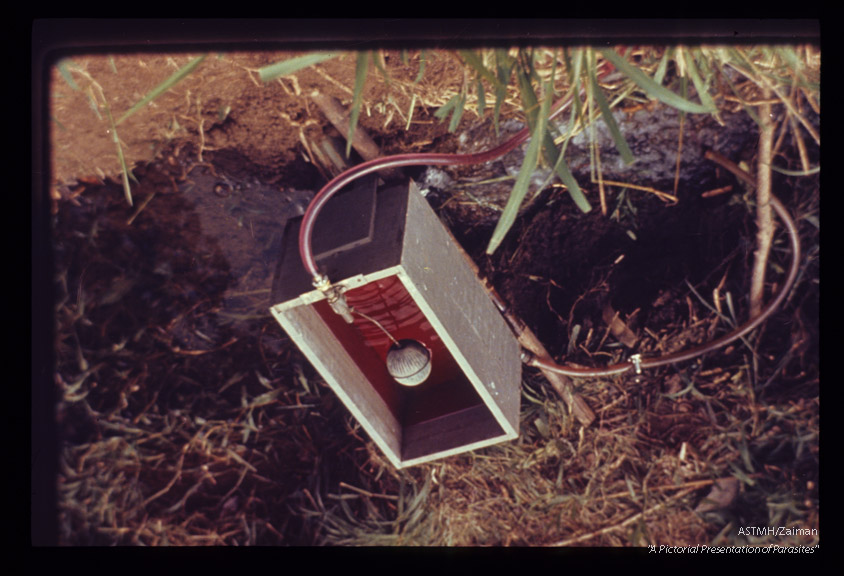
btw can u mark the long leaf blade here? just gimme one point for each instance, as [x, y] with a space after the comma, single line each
[286, 67]
[177, 77]
[574, 65]
[561, 168]
[700, 85]
[609, 119]
[503, 70]
[529, 101]
[474, 60]
[653, 89]
[63, 67]
[421, 73]
[378, 62]
[360, 80]
[124, 169]
[479, 88]
[454, 106]
[520, 188]
[458, 113]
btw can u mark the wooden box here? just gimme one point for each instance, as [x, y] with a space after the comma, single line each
[399, 266]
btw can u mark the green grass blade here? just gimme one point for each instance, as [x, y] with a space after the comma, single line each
[177, 77]
[566, 177]
[454, 106]
[520, 188]
[527, 59]
[421, 73]
[474, 60]
[61, 126]
[738, 60]
[651, 88]
[380, 67]
[285, 67]
[357, 98]
[481, 97]
[124, 170]
[62, 66]
[662, 67]
[127, 189]
[503, 70]
[443, 110]
[747, 107]
[410, 112]
[574, 65]
[609, 119]
[808, 172]
[548, 147]
[530, 103]
[790, 57]
[568, 60]
[500, 96]
[700, 86]
[503, 65]
[458, 113]
[92, 101]
[795, 63]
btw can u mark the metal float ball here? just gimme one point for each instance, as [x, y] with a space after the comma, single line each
[409, 362]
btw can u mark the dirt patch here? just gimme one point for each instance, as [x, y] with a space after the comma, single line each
[561, 269]
[225, 106]
[187, 416]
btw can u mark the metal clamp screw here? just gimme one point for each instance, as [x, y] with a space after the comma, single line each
[636, 359]
[335, 298]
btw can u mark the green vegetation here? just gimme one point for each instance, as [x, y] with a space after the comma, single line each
[233, 441]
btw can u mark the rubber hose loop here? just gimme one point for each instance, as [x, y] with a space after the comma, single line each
[682, 356]
[398, 161]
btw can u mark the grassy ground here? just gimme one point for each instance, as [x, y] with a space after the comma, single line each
[185, 419]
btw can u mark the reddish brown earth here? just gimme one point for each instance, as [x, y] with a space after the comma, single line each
[162, 305]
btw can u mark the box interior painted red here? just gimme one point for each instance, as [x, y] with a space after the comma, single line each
[447, 389]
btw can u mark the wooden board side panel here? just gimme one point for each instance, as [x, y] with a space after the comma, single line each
[455, 298]
[343, 375]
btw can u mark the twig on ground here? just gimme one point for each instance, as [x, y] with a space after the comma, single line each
[623, 523]
[764, 220]
[361, 141]
[731, 166]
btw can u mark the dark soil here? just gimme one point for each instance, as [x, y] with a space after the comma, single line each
[561, 268]
[164, 304]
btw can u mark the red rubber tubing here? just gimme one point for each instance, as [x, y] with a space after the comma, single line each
[445, 159]
[398, 161]
[744, 329]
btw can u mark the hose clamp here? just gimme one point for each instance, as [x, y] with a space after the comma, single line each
[335, 298]
[636, 360]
